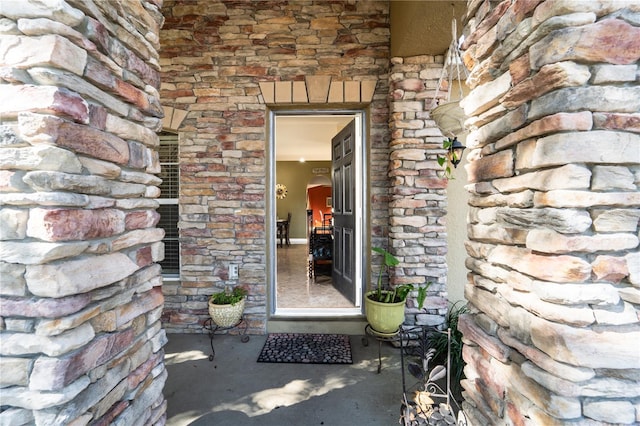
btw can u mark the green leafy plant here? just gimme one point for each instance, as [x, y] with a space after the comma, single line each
[422, 294]
[442, 160]
[388, 261]
[438, 342]
[229, 296]
[397, 293]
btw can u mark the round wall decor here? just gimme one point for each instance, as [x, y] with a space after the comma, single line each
[281, 191]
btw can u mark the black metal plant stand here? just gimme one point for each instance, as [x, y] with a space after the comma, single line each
[380, 337]
[413, 341]
[427, 376]
[423, 336]
[211, 327]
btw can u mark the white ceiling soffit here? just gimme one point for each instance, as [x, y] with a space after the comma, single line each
[307, 136]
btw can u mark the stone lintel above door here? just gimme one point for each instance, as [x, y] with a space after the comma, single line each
[317, 89]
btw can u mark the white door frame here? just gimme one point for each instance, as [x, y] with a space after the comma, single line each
[361, 117]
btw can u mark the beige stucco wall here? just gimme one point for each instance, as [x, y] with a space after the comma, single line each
[457, 210]
[423, 27]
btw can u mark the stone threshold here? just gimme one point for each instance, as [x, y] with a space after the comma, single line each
[351, 326]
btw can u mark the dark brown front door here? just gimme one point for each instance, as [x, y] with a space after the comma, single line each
[343, 195]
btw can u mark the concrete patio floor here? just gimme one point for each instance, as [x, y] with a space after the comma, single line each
[234, 389]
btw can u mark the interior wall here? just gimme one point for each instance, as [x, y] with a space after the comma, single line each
[320, 203]
[295, 175]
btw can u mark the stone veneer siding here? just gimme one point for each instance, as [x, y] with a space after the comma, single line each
[80, 332]
[554, 289]
[227, 63]
[417, 209]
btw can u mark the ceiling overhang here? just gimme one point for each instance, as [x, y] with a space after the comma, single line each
[423, 27]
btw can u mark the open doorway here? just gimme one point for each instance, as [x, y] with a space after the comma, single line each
[304, 282]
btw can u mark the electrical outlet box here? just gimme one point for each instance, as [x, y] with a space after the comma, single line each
[233, 271]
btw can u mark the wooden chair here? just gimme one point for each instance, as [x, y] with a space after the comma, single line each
[286, 229]
[327, 220]
[320, 252]
[283, 231]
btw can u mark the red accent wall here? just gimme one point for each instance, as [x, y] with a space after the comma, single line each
[318, 202]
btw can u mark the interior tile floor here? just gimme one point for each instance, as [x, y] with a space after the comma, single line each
[294, 287]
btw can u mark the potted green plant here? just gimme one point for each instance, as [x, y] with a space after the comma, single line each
[226, 307]
[440, 344]
[384, 307]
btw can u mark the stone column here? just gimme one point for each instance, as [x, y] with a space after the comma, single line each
[417, 229]
[552, 337]
[80, 334]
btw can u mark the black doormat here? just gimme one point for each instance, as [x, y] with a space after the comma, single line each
[306, 348]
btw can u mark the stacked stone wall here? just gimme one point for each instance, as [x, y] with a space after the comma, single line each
[554, 152]
[80, 299]
[417, 209]
[216, 58]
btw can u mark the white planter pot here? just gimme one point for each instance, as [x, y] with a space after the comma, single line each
[226, 315]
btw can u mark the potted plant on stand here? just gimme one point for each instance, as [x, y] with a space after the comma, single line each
[384, 308]
[226, 307]
[225, 311]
